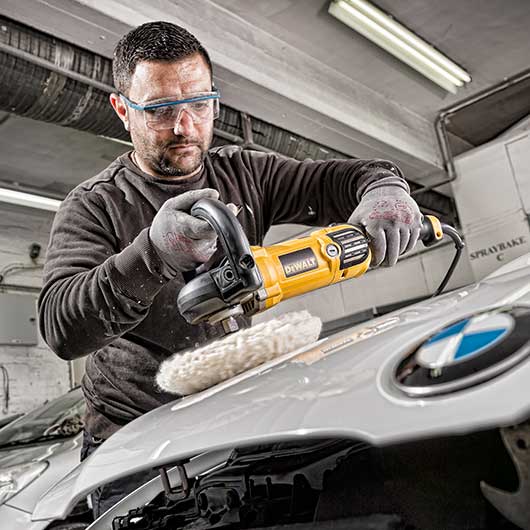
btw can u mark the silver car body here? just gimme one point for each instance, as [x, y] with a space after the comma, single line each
[339, 387]
[60, 455]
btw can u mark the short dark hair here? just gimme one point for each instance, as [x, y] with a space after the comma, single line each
[153, 41]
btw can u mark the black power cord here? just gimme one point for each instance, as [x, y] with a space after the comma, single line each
[5, 375]
[448, 230]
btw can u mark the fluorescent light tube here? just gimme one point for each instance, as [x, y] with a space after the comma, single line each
[117, 140]
[29, 199]
[375, 25]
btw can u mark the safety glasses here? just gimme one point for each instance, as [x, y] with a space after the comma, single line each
[165, 114]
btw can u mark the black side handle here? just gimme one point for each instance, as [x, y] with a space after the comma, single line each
[233, 240]
[238, 272]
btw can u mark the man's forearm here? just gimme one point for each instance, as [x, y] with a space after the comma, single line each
[321, 192]
[81, 313]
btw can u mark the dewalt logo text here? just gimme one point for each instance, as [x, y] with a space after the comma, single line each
[298, 262]
[300, 266]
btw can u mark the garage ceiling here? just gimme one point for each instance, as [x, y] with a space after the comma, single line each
[289, 63]
[488, 38]
[49, 158]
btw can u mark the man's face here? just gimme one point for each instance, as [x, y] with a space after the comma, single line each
[178, 151]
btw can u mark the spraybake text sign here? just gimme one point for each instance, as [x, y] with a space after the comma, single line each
[498, 249]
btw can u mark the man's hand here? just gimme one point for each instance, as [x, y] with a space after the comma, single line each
[182, 241]
[392, 221]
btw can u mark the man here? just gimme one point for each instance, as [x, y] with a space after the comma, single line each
[121, 240]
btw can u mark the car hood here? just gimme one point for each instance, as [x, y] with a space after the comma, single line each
[338, 387]
[17, 455]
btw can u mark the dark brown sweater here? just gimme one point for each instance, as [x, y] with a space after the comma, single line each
[104, 294]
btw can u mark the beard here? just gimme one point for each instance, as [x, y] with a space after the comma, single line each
[166, 167]
[166, 163]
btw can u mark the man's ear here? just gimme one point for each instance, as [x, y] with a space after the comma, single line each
[120, 108]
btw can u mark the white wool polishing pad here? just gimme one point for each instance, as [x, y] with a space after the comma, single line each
[194, 370]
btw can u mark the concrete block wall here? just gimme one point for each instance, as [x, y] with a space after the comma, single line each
[34, 373]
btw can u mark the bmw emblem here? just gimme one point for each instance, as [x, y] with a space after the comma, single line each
[466, 353]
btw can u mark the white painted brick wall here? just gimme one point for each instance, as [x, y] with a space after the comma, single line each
[35, 373]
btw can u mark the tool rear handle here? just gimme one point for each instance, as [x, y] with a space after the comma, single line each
[431, 230]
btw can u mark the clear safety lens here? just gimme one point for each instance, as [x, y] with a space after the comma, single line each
[167, 116]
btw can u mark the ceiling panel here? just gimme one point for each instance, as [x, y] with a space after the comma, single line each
[489, 38]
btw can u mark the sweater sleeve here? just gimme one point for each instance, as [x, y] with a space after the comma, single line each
[92, 293]
[315, 193]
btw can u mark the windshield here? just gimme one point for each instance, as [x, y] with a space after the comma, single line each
[61, 417]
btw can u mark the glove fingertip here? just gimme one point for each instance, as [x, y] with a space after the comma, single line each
[375, 262]
[391, 262]
[378, 254]
[208, 193]
[414, 238]
[186, 200]
[404, 240]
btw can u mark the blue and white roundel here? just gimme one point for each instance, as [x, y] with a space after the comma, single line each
[466, 353]
[464, 339]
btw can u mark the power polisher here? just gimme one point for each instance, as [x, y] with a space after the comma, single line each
[250, 279]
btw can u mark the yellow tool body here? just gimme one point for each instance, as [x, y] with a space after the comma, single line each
[322, 258]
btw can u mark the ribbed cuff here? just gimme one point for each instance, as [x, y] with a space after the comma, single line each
[377, 171]
[384, 181]
[138, 271]
[388, 181]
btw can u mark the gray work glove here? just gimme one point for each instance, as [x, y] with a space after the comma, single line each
[182, 241]
[391, 219]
